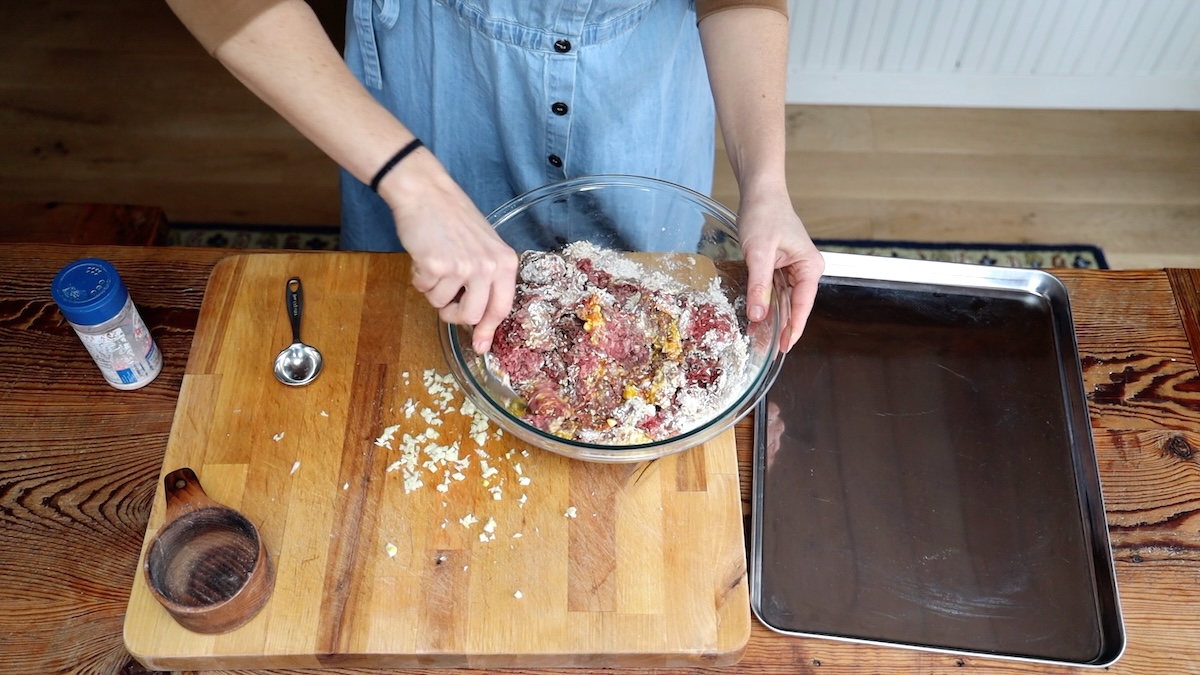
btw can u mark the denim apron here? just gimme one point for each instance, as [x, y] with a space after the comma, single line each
[511, 96]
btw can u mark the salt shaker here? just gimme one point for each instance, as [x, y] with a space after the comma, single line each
[94, 300]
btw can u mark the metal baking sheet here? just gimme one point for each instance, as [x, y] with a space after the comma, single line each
[924, 474]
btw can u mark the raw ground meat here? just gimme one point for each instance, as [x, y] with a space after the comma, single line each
[605, 351]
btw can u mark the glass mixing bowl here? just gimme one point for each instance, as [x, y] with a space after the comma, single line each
[630, 214]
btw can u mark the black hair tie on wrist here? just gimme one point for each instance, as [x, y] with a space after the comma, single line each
[391, 163]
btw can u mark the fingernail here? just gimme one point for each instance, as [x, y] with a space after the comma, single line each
[757, 313]
[481, 345]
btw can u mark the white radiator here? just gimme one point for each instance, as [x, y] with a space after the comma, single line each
[1118, 54]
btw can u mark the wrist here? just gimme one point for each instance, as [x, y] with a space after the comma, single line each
[410, 147]
[763, 187]
[409, 178]
[758, 168]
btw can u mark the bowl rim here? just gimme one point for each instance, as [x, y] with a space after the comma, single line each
[501, 213]
[461, 366]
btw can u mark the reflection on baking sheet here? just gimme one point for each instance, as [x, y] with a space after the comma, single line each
[918, 480]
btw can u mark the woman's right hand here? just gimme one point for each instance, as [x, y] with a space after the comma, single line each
[459, 263]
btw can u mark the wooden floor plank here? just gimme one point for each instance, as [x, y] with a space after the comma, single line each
[1103, 134]
[1056, 178]
[1126, 228]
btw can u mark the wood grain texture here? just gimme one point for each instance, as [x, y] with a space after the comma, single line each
[94, 224]
[649, 571]
[1185, 285]
[1139, 371]
[77, 474]
[80, 463]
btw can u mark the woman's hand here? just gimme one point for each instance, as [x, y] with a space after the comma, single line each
[460, 264]
[773, 237]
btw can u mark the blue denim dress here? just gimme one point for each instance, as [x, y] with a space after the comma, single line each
[511, 96]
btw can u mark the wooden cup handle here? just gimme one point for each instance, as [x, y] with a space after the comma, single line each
[184, 493]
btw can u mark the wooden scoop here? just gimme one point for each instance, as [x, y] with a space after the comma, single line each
[207, 564]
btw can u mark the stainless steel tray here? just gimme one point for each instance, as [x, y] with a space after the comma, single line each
[924, 474]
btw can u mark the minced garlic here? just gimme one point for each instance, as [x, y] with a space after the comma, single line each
[422, 455]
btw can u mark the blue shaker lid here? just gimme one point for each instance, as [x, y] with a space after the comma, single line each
[89, 291]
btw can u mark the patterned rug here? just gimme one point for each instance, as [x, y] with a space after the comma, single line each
[311, 238]
[325, 238]
[1038, 256]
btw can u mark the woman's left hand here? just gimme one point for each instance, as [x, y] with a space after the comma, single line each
[774, 238]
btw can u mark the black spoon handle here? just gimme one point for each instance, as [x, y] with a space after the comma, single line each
[295, 304]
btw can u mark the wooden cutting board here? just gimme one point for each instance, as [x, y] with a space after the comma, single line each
[650, 571]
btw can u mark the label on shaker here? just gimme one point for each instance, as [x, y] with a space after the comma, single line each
[126, 354]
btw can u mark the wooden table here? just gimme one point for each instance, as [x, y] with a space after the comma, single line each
[79, 462]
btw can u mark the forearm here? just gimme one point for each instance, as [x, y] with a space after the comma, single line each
[279, 50]
[749, 92]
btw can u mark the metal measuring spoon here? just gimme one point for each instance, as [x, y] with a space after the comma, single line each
[299, 363]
